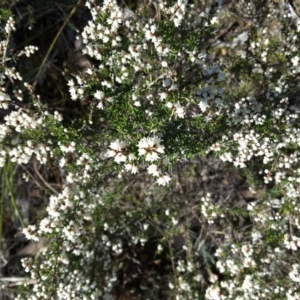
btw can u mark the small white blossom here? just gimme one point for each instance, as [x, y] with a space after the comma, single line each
[117, 151]
[164, 179]
[131, 167]
[151, 148]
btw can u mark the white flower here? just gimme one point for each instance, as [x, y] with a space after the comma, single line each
[31, 233]
[214, 20]
[164, 64]
[70, 178]
[203, 104]
[99, 96]
[163, 179]
[153, 170]
[151, 148]
[10, 25]
[177, 109]
[57, 116]
[4, 99]
[173, 87]
[171, 285]
[100, 105]
[117, 151]
[152, 156]
[213, 293]
[131, 167]
[163, 96]
[295, 60]
[131, 157]
[117, 145]
[68, 148]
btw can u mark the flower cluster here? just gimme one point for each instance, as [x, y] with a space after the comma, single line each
[150, 148]
[117, 151]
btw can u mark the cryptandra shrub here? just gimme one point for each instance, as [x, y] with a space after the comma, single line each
[156, 98]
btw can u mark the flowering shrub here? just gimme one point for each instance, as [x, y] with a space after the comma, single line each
[157, 101]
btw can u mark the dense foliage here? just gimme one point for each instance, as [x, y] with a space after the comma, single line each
[162, 100]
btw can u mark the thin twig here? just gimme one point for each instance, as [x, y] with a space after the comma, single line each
[42, 178]
[54, 42]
